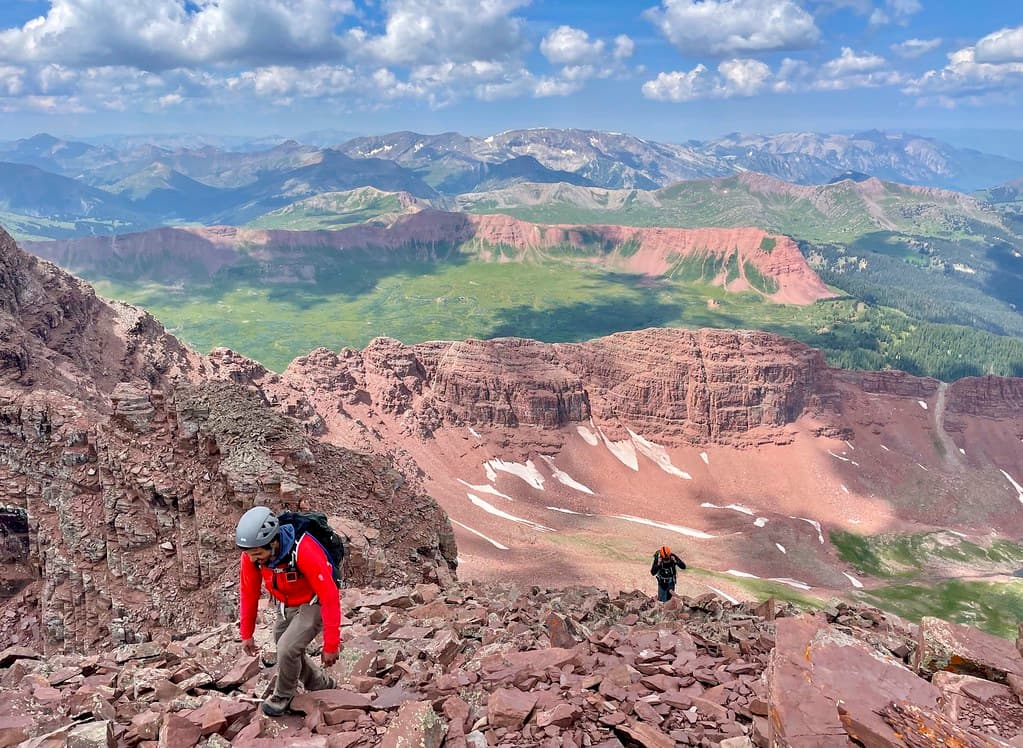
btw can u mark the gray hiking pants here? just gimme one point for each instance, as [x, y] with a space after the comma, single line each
[295, 629]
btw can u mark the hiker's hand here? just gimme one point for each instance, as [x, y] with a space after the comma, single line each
[249, 645]
[328, 658]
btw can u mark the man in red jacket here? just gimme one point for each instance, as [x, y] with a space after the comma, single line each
[297, 574]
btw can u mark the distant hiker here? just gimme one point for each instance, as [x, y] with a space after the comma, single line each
[664, 568]
[298, 574]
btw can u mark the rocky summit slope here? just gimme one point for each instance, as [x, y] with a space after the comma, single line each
[494, 665]
[125, 460]
[737, 259]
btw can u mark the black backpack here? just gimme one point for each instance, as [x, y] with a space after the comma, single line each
[315, 524]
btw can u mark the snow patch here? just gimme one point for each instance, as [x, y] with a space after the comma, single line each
[491, 475]
[473, 432]
[527, 472]
[623, 450]
[816, 525]
[791, 582]
[689, 532]
[743, 574]
[760, 522]
[706, 459]
[962, 451]
[922, 468]
[922, 404]
[726, 596]
[855, 582]
[569, 511]
[1017, 486]
[588, 436]
[564, 477]
[486, 489]
[781, 548]
[498, 546]
[733, 507]
[839, 457]
[885, 448]
[491, 509]
[849, 444]
[657, 454]
[844, 488]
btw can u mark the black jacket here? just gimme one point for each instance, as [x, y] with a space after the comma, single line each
[665, 570]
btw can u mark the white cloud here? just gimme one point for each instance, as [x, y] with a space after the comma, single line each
[427, 31]
[965, 78]
[163, 34]
[1005, 45]
[732, 78]
[680, 86]
[743, 77]
[569, 46]
[12, 80]
[624, 47]
[747, 77]
[913, 48]
[726, 27]
[849, 63]
[895, 11]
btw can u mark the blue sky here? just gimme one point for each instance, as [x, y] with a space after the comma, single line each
[665, 69]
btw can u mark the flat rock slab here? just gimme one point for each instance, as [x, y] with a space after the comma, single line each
[416, 725]
[815, 669]
[960, 649]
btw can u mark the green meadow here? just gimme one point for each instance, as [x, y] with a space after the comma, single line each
[558, 300]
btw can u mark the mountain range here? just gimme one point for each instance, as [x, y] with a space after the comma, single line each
[150, 185]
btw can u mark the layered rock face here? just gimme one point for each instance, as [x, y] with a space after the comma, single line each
[130, 459]
[479, 665]
[195, 254]
[687, 387]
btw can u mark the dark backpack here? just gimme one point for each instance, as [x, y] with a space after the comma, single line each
[315, 524]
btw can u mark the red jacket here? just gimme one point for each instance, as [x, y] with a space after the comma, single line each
[312, 580]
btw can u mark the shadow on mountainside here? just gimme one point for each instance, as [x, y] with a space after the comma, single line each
[317, 278]
[583, 320]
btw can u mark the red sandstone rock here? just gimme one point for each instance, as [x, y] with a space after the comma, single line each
[960, 649]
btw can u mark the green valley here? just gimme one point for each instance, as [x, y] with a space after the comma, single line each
[354, 300]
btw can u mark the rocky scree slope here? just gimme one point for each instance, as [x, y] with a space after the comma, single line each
[495, 665]
[126, 459]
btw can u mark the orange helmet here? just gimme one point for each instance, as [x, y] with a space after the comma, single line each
[665, 551]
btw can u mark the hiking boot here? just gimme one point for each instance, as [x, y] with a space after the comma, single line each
[276, 705]
[324, 683]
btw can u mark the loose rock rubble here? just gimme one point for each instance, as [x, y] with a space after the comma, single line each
[475, 665]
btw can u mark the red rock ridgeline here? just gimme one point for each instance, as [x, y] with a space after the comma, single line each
[129, 458]
[55, 334]
[166, 253]
[681, 386]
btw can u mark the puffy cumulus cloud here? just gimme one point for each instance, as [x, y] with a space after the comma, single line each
[965, 78]
[728, 27]
[425, 31]
[581, 58]
[744, 77]
[161, 54]
[624, 47]
[162, 34]
[1005, 45]
[737, 77]
[913, 48]
[748, 77]
[569, 46]
[849, 63]
[894, 11]
[12, 80]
